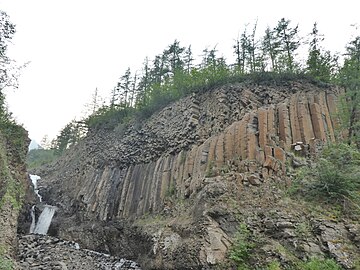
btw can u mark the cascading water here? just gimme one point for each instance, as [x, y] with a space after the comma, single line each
[44, 221]
[55, 248]
[34, 178]
[33, 219]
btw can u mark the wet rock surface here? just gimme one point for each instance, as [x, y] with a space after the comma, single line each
[50, 253]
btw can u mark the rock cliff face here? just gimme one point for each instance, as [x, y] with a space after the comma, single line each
[13, 186]
[165, 192]
[260, 139]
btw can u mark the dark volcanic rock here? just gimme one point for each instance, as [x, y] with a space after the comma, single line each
[156, 191]
[46, 252]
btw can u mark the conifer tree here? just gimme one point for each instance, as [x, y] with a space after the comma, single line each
[69, 136]
[64, 139]
[159, 70]
[133, 90]
[45, 143]
[251, 48]
[271, 48]
[188, 59]
[288, 43]
[174, 56]
[349, 77]
[124, 88]
[95, 102]
[319, 64]
[143, 87]
[237, 52]
[246, 52]
[113, 97]
[240, 50]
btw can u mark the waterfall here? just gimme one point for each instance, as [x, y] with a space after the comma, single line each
[43, 224]
[32, 226]
[34, 179]
[44, 221]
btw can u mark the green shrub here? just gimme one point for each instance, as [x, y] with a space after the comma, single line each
[14, 136]
[211, 170]
[319, 264]
[241, 249]
[109, 117]
[274, 266]
[6, 264]
[333, 183]
[38, 157]
[335, 177]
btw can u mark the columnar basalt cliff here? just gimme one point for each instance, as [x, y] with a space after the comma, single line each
[166, 191]
[260, 139]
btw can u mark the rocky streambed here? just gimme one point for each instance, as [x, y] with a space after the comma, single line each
[42, 252]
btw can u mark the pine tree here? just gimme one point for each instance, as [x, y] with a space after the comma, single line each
[95, 101]
[213, 69]
[133, 91]
[240, 50]
[271, 48]
[251, 48]
[239, 60]
[319, 64]
[174, 56]
[45, 143]
[69, 136]
[349, 77]
[143, 87]
[159, 69]
[288, 42]
[188, 59]
[124, 87]
[246, 52]
[113, 97]
[63, 140]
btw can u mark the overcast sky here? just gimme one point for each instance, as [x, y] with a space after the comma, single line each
[75, 46]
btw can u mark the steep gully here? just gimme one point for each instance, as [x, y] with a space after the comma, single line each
[39, 251]
[44, 221]
[166, 192]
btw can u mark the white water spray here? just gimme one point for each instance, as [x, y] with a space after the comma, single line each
[32, 226]
[44, 221]
[34, 178]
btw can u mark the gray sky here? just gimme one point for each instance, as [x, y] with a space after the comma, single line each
[77, 45]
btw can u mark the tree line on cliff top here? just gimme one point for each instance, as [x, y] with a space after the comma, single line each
[174, 74]
[10, 131]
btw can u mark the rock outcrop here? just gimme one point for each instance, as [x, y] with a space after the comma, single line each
[45, 252]
[13, 148]
[244, 146]
[179, 177]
